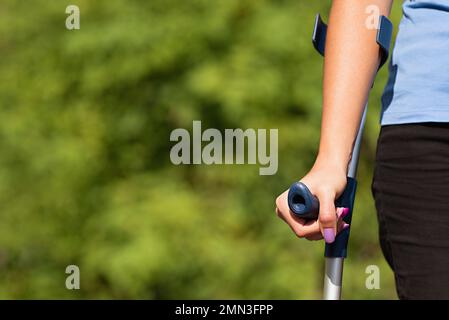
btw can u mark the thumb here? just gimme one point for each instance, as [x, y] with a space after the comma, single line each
[327, 216]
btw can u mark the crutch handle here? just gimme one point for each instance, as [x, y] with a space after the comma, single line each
[302, 202]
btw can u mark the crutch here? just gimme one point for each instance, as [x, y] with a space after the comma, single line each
[305, 205]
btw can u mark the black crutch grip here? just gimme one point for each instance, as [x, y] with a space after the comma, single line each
[302, 202]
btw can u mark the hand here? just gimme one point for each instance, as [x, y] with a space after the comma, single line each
[327, 184]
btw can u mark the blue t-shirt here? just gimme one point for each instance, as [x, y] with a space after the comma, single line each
[418, 86]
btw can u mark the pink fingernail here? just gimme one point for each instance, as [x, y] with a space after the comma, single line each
[345, 226]
[329, 235]
[344, 213]
[339, 212]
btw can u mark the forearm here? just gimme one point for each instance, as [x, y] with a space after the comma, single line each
[351, 62]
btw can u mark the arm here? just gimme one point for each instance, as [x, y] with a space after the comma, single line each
[350, 65]
[351, 61]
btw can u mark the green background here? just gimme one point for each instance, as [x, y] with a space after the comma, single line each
[85, 172]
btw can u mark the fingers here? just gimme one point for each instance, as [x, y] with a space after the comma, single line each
[341, 225]
[327, 217]
[300, 227]
[313, 229]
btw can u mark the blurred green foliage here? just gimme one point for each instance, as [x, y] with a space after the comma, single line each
[85, 173]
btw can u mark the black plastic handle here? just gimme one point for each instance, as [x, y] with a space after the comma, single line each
[302, 202]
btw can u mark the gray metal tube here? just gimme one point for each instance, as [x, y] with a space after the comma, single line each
[333, 278]
[352, 168]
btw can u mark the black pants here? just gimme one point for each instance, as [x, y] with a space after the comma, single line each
[411, 191]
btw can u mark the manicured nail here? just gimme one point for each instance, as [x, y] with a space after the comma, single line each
[339, 212]
[329, 235]
[345, 226]
[345, 212]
